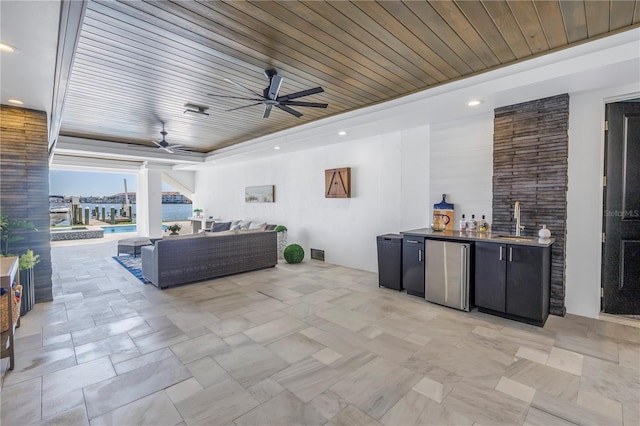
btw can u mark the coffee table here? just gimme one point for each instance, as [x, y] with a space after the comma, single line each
[132, 245]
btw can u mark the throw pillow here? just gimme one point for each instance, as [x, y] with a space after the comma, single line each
[258, 226]
[244, 224]
[220, 226]
[235, 227]
[270, 227]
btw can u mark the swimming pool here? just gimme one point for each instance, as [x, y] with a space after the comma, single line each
[116, 229]
[119, 229]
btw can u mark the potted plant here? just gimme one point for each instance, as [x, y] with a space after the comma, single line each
[282, 240]
[174, 229]
[9, 229]
[198, 213]
[27, 280]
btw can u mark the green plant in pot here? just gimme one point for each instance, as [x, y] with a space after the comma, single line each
[27, 278]
[10, 232]
[174, 229]
[282, 240]
[197, 212]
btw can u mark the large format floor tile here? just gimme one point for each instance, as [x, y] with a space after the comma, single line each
[305, 344]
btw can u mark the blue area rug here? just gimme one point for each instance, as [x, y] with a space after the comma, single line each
[133, 265]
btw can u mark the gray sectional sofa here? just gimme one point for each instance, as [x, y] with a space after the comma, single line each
[189, 258]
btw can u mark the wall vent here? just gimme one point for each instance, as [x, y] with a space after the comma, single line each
[317, 254]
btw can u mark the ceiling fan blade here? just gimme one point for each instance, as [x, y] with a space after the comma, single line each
[167, 149]
[175, 146]
[243, 87]
[233, 97]
[267, 111]
[245, 106]
[289, 110]
[301, 94]
[274, 88]
[157, 143]
[304, 104]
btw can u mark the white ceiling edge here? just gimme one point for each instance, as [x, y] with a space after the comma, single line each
[610, 61]
[27, 74]
[90, 148]
[73, 163]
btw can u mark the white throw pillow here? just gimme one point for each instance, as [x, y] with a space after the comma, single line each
[245, 224]
[260, 226]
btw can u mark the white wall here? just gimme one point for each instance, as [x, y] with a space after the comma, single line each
[584, 197]
[389, 175]
[461, 164]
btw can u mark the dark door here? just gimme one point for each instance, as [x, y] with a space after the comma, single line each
[528, 281]
[491, 276]
[413, 265]
[621, 248]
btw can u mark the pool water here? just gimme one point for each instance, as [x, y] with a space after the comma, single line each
[119, 229]
[116, 229]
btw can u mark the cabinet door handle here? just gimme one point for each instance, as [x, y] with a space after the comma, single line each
[510, 254]
[412, 242]
[419, 255]
[500, 253]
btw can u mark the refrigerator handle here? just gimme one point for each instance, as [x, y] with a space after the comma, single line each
[419, 255]
[510, 254]
[463, 276]
[500, 253]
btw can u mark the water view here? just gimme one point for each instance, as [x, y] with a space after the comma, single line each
[170, 212]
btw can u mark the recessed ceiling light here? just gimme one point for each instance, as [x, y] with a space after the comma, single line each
[276, 147]
[15, 102]
[342, 133]
[4, 47]
[474, 103]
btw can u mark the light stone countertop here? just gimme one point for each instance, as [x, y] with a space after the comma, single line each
[479, 236]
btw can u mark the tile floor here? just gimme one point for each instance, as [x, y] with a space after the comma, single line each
[307, 344]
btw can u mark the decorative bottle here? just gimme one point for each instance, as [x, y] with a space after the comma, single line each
[463, 224]
[544, 233]
[472, 225]
[483, 226]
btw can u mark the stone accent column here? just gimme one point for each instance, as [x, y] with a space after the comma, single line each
[24, 186]
[530, 151]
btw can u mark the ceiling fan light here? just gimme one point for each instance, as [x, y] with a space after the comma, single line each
[474, 102]
[342, 133]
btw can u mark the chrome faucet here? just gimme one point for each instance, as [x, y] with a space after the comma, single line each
[516, 216]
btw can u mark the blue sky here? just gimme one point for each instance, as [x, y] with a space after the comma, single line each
[92, 183]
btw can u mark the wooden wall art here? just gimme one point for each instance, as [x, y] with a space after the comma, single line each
[337, 183]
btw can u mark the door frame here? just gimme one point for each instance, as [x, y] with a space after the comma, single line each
[603, 162]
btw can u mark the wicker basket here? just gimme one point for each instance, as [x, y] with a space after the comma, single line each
[4, 314]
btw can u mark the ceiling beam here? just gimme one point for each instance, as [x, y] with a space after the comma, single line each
[91, 148]
[71, 18]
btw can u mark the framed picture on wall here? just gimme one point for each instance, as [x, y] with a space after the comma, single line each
[260, 194]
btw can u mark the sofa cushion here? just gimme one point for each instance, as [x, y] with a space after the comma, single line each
[181, 237]
[270, 227]
[258, 226]
[244, 224]
[220, 226]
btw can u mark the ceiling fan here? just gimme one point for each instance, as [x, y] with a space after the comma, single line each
[163, 144]
[270, 98]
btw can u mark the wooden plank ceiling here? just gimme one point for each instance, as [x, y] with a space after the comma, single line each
[139, 62]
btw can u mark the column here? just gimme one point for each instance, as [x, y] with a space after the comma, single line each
[149, 201]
